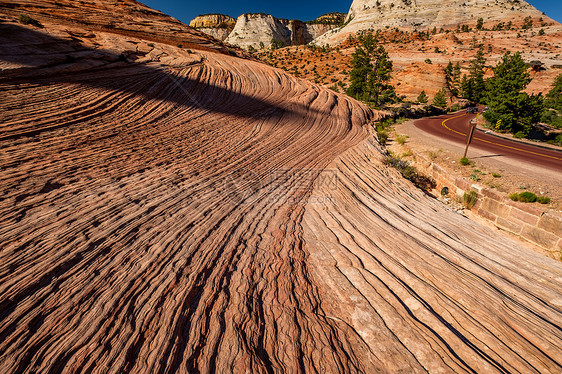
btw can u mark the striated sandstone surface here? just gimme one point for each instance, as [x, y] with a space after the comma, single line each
[127, 18]
[426, 14]
[187, 211]
[217, 33]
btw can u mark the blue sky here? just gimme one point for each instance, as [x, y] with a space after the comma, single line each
[305, 10]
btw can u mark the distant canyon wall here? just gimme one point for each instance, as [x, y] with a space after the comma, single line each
[263, 30]
[426, 14]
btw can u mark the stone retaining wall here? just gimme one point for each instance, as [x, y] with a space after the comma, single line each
[532, 222]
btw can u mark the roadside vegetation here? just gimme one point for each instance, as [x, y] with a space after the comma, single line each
[512, 109]
[529, 197]
[409, 172]
[469, 199]
[553, 109]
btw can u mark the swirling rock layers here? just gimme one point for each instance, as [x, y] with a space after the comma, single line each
[203, 213]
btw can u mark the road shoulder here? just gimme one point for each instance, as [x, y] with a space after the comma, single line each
[496, 173]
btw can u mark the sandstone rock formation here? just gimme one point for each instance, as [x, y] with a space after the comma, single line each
[257, 30]
[334, 18]
[212, 21]
[263, 30]
[126, 18]
[426, 14]
[173, 210]
[219, 26]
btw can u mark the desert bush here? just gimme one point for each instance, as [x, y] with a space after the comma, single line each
[543, 200]
[528, 23]
[464, 161]
[525, 197]
[401, 139]
[27, 20]
[469, 199]
[383, 136]
[411, 173]
[496, 175]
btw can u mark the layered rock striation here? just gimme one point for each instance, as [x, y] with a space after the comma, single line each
[219, 26]
[165, 209]
[124, 18]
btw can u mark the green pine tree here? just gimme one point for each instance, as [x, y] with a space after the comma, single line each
[371, 73]
[440, 99]
[553, 104]
[449, 74]
[476, 77]
[453, 78]
[466, 88]
[456, 80]
[554, 96]
[360, 72]
[422, 98]
[509, 107]
[480, 24]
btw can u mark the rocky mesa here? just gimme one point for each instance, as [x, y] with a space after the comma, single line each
[426, 14]
[260, 30]
[219, 26]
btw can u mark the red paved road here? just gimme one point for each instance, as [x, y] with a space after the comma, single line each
[455, 126]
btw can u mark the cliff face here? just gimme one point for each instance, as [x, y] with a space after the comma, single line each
[217, 33]
[213, 21]
[219, 26]
[257, 30]
[425, 14]
[317, 29]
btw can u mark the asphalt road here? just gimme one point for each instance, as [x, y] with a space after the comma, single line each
[454, 127]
